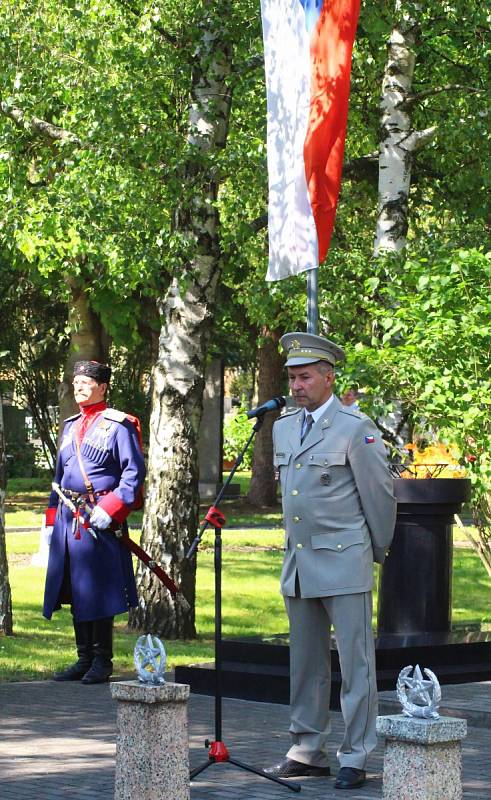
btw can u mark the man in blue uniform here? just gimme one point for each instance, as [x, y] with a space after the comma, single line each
[99, 475]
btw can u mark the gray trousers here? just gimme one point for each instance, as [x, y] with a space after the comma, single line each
[310, 677]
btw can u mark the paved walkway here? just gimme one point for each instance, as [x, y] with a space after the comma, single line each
[58, 741]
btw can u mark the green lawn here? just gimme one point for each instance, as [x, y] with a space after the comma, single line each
[27, 497]
[252, 604]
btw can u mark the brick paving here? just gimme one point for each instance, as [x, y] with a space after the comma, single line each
[58, 741]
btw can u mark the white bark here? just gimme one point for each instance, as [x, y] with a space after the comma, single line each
[399, 141]
[37, 125]
[171, 511]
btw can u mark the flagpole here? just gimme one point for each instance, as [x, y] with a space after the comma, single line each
[313, 301]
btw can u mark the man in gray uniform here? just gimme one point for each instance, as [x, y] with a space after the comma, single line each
[339, 512]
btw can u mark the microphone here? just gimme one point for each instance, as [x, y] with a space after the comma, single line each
[270, 405]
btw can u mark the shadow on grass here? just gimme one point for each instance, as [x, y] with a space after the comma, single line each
[252, 606]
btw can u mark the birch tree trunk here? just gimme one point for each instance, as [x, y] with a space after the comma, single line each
[262, 490]
[88, 341]
[172, 503]
[399, 140]
[5, 594]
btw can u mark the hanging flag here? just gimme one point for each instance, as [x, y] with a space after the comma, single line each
[307, 53]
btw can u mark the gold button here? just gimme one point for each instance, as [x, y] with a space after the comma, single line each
[294, 492]
[296, 519]
[298, 465]
[340, 546]
[299, 546]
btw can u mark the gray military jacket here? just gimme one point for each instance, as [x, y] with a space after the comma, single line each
[338, 501]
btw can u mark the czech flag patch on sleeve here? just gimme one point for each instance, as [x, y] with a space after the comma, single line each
[369, 439]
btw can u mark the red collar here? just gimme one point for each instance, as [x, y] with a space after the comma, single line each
[93, 409]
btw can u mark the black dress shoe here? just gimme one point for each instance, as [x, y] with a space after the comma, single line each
[289, 768]
[350, 778]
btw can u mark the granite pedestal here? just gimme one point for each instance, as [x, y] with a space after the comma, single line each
[152, 747]
[422, 758]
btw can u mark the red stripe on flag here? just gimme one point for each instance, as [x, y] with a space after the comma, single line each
[330, 52]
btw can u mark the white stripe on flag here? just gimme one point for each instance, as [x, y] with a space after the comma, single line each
[292, 232]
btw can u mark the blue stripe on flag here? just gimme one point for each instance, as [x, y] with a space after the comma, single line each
[312, 10]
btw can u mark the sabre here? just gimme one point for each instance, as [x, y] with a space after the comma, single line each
[125, 539]
[152, 565]
[64, 499]
[73, 508]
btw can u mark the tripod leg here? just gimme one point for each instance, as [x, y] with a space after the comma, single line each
[201, 768]
[218, 751]
[295, 787]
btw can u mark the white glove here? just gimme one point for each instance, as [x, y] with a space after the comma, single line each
[46, 534]
[100, 518]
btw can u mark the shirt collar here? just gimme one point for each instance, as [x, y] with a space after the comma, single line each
[317, 413]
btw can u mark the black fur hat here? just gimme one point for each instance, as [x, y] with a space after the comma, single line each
[99, 372]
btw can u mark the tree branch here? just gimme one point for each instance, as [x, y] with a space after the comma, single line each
[445, 57]
[358, 168]
[37, 125]
[449, 87]
[132, 8]
[259, 223]
[363, 167]
[417, 139]
[248, 66]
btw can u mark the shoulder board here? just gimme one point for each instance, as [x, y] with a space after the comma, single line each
[112, 413]
[287, 415]
[69, 419]
[353, 412]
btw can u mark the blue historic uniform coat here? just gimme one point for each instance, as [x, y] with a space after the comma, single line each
[100, 570]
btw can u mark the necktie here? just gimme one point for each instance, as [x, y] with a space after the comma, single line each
[309, 421]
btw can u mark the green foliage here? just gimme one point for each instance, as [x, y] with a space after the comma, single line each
[21, 460]
[430, 347]
[93, 209]
[130, 382]
[103, 207]
[22, 485]
[118, 77]
[33, 328]
[236, 431]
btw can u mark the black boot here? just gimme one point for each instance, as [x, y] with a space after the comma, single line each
[102, 665]
[83, 639]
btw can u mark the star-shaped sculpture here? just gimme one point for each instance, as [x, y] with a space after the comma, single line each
[418, 688]
[417, 696]
[150, 659]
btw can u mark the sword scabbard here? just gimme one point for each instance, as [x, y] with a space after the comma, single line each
[152, 565]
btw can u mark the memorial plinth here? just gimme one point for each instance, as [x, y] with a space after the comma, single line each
[152, 748]
[414, 615]
[415, 587]
[422, 758]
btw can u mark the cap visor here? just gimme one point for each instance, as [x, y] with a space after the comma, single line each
[297, 362]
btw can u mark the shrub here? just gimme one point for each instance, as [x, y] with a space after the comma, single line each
[21, 460]
[236, 431]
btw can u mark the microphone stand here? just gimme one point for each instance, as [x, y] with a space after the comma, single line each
[218, 752]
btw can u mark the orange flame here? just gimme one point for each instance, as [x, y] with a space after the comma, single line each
[434, 461]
